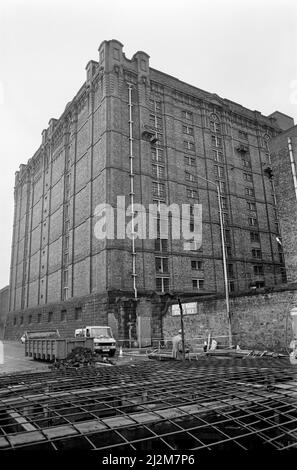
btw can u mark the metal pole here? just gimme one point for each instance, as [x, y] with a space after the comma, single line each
[182, 328]
[225, 269]
[224, 258]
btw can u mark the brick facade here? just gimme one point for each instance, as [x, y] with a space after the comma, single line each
[4, 301]
[284, 165]
[85, 160]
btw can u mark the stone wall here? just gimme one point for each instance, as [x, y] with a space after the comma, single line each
[259, 321]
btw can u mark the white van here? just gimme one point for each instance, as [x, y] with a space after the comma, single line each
[104, 342]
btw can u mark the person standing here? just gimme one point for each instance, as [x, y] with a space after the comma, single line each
[177, 345]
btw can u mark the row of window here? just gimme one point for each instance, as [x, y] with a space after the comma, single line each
[162, 284]
[161, 265]
[215, 125]
[50, 317]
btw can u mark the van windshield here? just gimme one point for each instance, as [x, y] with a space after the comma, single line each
[100, 332]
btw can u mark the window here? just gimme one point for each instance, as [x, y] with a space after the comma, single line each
[242, 135]
[249, 192]
[259, 284]
[231, 286]
[251, 206]
[192, 227]
[225, 217]
[253, 221]
[256, 253]
[188, 130]
[255, 237]
[190, 177]
[222, 186]
[155, 121]
[66, 242]
[248, 177]
[67, 226]
[187, 115]
[50, 317]
[78, 313]
[65, 278]
[21, 320]
[161, 265]
[196, 265]
[198, 284]
[158, 171]
[66, 257]
[218, 156]
[246, 163]
[219, 171]
[215, 126]
[156, 105]
[158, 189]
[63, 315]
[190, 161]
[216, 141]
[266, 142]
[157, 155]
[283, 274]
[189, 145]
[224, 203]
[14, 321]
[30, 319]
[229, 251]
[66, 211]
[161, 244]
[67, 181]
[230, 270]
[39, 318]
[162, 284]
[258, 270]
[191, 193]
[227, 236]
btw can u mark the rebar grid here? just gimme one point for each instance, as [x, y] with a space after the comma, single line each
[163, 406]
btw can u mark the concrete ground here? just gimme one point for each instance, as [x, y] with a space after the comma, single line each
[14, 359]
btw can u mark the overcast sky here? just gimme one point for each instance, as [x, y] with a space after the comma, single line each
[244, 50]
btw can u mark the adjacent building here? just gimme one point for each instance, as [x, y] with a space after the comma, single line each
[284, 169]
[137, 132]
[4, 301]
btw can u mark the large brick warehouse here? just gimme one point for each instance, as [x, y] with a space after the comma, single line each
[134, 131]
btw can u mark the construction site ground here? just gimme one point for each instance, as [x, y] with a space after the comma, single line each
[206, 405]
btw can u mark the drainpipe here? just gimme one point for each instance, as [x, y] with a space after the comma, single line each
[293, 167]
[131, 157]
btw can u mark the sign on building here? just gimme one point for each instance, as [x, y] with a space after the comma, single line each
[190, 308]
